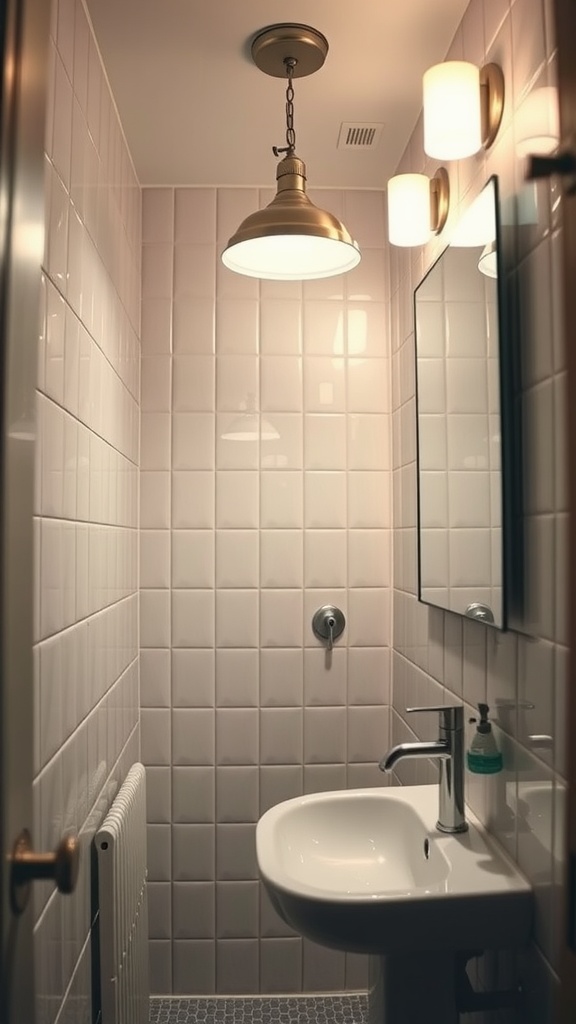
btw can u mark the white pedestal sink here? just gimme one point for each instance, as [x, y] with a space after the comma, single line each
[366, 871]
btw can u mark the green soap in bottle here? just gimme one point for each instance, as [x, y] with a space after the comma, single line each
[484, 758]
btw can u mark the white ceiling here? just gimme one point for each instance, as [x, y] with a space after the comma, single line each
[196, 111]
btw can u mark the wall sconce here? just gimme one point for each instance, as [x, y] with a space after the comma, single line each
[488, 262]
[417, 207]
[291, 239]
[537, 123]
[463, 107]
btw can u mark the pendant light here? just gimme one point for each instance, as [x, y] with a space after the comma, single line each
[291, 239]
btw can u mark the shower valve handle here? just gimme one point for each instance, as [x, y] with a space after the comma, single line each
[327, 625]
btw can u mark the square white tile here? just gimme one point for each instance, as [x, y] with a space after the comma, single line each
[193, 500]
[157, 215]
[369, 559]
[193, 383]
[236, 383]
[324, 735]
[193, 678]
[193, 440]
[154, 500]
[236, 326]
[324, 384]
[157, 271]
[192, 618]
[285, 450]
[281, 736]
[193, 736]
[281, 618]
[236, 558]
[368, 385]
[154, 558]
[281, 498]
[281, 558]
[237, 737]
[281, 383]
[325, 500]
[323, 329]
[236, 677]
[280, 327]
[281, 673]
[194, 215]
[194, 270]
[155, 395]
[237, 618]
[236, 500]
[324, 441]
[325, 558]
[325, 676]
[193, 325]
[368, 441]
[192, 559]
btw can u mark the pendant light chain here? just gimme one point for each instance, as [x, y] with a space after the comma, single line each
[290, 133]
[289, 63]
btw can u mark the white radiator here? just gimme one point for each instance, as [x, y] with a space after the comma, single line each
[123, 905]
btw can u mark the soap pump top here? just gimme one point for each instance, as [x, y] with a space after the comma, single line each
[483, 757]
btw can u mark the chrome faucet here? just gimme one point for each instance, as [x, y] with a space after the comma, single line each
[449, 749]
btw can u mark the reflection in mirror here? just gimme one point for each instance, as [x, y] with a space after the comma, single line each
[537, 128]
[458, 379]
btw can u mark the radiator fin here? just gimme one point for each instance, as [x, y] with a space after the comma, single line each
[123, 905]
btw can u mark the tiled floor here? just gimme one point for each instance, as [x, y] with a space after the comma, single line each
[345, 1009]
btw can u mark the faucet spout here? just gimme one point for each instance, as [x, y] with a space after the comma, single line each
[448, 749]
[435, 748]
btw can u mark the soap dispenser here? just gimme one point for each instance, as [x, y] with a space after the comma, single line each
[483, 757]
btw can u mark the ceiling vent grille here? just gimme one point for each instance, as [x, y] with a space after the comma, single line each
[359, 134]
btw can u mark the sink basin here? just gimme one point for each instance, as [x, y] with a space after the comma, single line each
[366, 871]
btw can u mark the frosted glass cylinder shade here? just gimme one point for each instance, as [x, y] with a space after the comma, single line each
[488, 262]
[537, 125]
[452, 110]
[409, 209]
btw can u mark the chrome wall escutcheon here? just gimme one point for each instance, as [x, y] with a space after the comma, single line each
[328, 624]
[480, 612]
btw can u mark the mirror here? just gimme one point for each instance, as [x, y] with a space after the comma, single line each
[458, 313]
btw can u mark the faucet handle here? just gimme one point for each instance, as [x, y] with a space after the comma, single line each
[451, 715]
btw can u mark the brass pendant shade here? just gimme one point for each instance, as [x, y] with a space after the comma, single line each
[291, 239]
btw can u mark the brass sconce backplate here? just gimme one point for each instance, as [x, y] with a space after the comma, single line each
[439, 200]
[492, 102]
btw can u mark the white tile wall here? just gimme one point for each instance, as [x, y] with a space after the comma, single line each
[437, 656]
[86, 538]
[241, 542]
[239, 709]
